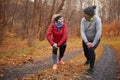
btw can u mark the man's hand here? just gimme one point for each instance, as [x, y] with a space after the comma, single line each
[89, 44]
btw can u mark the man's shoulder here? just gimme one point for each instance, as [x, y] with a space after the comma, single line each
[83, 19]
[97, 17]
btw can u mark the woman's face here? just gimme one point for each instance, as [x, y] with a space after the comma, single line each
[60, 20]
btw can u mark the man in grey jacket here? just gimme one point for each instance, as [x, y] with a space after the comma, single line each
[91, 28]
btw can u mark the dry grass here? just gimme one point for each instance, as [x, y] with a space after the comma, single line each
[16, 52]
[111, 29]
[19, 54]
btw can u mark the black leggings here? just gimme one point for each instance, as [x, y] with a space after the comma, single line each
[61, 52]
[90, 53]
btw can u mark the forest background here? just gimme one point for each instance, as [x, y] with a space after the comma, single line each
[23, 25]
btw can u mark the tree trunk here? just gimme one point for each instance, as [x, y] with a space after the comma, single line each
[44, 28]
[60, 7]
[2, 19]
[40, 21]
[12, 18]
[25, 27]
[32, 27]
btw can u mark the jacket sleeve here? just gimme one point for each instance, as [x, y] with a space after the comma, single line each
[99, 31]
[64, 37]
[49, 35]
[83, 35]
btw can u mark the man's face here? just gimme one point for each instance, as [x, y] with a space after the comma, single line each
[86, 16]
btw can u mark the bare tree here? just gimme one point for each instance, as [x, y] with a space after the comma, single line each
[30, 20]
[51, 13]
[60, 7]
[25, 27]
[2, 19]
[32, 27]
[12, 18]
[49, 19]
[40, 20]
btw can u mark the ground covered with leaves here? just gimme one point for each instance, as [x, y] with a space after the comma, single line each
[69, 71]
[29, 55]
[14, 52]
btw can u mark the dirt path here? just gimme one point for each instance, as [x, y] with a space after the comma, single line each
[105, 68]
[24, 70]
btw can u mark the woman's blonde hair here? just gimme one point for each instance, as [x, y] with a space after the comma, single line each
[54, 16]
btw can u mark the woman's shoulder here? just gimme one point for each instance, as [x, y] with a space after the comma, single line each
[52, 24]
[65, 24]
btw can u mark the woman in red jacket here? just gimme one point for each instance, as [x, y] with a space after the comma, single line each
[57, 36]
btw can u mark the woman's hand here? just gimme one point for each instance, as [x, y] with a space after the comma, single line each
[55, 45]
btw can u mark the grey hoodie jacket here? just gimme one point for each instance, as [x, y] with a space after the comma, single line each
[91, 31]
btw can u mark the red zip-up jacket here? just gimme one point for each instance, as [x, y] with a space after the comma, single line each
[57, 36]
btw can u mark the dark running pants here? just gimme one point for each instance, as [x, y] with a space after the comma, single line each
[90, 53]
[61, 53]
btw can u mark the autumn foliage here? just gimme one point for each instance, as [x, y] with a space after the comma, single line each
[111, 29]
